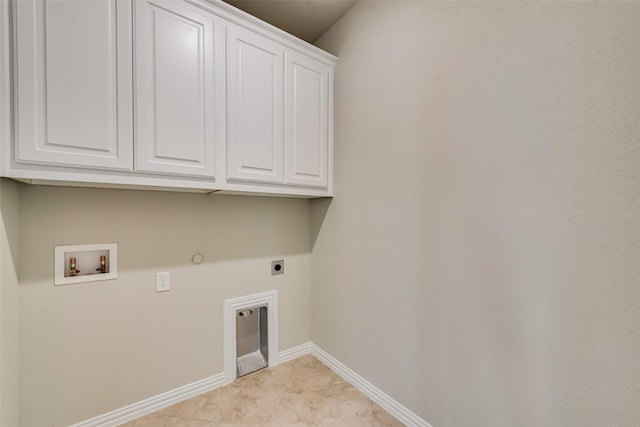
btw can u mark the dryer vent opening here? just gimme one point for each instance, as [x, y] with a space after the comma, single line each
[252, 344]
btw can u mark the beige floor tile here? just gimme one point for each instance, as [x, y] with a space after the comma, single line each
[345, 422]
[169, 410]
[282, 422]
[308, 361]
[308, 366]
[185, 422]
[300, 393]
[339, 386]
[252, 405]
[209, 406]
[312, 383]
[340, 411]
[348, 404]
[263, 383]
[291, 363]
[299, 408]
[382, 418]
[151, 420]
[280, 375]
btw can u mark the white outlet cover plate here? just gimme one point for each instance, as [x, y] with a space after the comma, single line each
[163, 282]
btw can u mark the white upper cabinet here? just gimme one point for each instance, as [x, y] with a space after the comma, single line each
[306, 120]
[177, 75]
[169, 94]
[73, 68]
[278, 111]
[254, 107]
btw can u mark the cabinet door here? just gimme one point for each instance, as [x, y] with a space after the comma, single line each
[254, 107]
[306, 121]
[73, 68]
[175, 93]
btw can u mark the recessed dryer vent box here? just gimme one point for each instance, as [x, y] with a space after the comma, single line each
[85, 263]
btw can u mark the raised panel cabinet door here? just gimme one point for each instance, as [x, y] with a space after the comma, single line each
[254, 107]
[306, 121]
[175, 79]
[73, 82]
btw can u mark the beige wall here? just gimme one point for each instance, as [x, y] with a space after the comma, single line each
[480, 260]
[9, 304]
[95, 347]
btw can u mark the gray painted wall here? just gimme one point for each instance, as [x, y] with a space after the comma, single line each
[91, 348]
[480, 260]
[9, 304]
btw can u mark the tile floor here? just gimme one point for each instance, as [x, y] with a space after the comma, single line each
[302, 392]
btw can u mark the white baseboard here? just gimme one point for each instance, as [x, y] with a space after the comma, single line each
[372, 392]
[294, 352]
[147, 406]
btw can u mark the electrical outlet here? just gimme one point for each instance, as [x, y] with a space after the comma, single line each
[163, 282]
[277, 267]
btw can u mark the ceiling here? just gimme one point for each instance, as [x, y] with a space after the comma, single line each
[305, 19]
